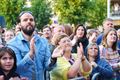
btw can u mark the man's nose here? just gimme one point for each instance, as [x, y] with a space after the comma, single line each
[111, 26]
[93, 49]
[28, 21]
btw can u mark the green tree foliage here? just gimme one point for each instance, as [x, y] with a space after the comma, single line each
[41, 11]
[10, 10]
[81, 11]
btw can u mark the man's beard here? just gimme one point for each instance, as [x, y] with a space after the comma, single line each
[28, 32]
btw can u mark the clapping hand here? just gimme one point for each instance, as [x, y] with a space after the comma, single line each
[80, 51]
[58, 51]
[32, 47]
[74, 40]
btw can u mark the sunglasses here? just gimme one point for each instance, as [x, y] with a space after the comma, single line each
[23, 12]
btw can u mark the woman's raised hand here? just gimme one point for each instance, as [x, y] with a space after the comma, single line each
[74, 40]
[58, 51]
[80, 52]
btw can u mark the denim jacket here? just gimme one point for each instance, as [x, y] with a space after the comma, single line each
[34, 68]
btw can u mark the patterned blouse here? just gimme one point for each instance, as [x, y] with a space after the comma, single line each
[111, 56]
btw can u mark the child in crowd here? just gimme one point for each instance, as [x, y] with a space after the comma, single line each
[8, 64]
[92, 35]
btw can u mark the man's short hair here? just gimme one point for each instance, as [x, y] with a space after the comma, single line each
[107, 19]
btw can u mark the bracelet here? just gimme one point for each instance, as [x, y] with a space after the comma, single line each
[83, 58]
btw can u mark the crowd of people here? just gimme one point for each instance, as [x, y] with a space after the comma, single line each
[59, 52]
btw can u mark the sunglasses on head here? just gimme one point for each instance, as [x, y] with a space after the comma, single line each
[23, 12]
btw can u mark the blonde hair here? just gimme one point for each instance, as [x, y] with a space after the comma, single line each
[57, 37]
[90, 32]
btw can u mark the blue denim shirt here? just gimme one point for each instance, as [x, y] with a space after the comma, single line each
[27, 66]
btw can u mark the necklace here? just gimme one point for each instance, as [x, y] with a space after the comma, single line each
[70, 60]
